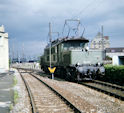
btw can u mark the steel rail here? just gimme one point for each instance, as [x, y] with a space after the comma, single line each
[109, 85]
[74, 108]
[104, 91]
[33, 107]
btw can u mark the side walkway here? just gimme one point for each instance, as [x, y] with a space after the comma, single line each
[6, 91]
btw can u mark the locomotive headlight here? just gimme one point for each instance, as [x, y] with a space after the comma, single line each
[87, 48]
[77, 64]
[98, 63]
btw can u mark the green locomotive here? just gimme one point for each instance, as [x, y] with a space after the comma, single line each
[72, 59]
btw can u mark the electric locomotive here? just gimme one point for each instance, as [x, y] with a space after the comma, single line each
[73, 60]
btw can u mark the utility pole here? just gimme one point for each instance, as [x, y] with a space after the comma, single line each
[23, 55]
[17, 56]
[102, 38]
[50, 39]
[13, 54]
[102, 42]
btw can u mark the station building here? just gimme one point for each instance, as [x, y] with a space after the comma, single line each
[4, 50]
[117, 55]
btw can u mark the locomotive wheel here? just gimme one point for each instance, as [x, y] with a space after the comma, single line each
[93, 76]
[68, 76]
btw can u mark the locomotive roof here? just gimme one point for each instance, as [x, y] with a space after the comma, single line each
[67, 39]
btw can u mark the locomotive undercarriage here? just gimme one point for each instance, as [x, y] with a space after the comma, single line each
[77, 73]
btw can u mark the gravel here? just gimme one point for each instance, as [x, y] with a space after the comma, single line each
[45, 100]
[77, 101]
[88, 100]
[102, 102]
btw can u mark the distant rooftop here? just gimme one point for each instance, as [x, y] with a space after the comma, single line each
[115, 49]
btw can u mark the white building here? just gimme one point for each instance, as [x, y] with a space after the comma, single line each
[4, 51]
[117, 55]
[98, 42]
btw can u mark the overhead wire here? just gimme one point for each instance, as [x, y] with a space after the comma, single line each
[97, 5]
[82, 11]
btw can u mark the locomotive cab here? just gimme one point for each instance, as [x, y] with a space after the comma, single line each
[75, 44]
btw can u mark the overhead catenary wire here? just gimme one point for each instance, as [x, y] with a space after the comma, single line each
[83, 10]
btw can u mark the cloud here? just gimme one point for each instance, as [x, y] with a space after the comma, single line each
[27, 20]
[113, 23]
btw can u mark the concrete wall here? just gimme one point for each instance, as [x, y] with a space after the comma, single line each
[4, 51]
[118, 60]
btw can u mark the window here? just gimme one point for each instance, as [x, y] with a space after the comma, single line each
[74, 44]
[54, 58]
[47, 51]
[47, 58]
[53, 50]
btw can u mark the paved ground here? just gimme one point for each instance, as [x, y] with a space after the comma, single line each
[6, 91]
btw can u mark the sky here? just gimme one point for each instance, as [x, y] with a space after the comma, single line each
[27, 21]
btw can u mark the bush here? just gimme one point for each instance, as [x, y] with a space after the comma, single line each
[114, 74]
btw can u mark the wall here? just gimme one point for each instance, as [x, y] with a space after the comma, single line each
[4, 51]
[118, 60]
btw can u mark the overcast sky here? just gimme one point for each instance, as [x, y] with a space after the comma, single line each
[26, 21]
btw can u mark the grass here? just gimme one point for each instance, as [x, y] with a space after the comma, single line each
[14, 81]
[16, 96]
[11, 107]
[15, 91]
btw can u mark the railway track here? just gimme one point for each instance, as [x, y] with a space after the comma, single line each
[109, 85]
[33, 107]
[42, 97]
[107, 88]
